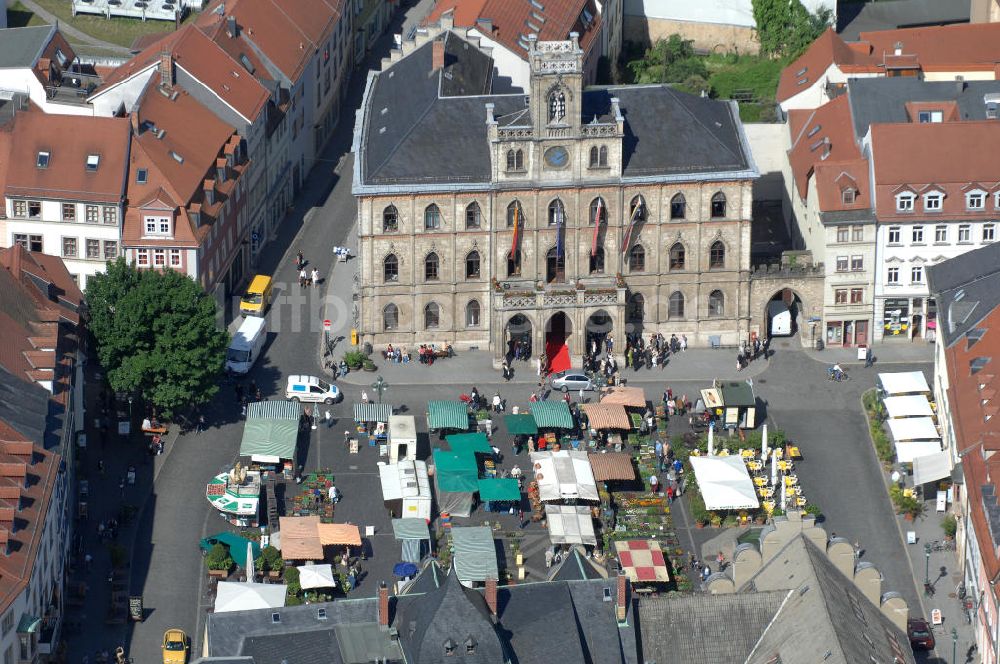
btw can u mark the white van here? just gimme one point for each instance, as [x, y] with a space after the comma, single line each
[311, 388]
[247, 344]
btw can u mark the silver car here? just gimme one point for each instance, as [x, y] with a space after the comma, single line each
[571, 381]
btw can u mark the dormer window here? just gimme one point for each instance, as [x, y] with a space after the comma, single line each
[470, 645]
[996, 200]
[847, 196]
[42, 160]
[904, 202]
[975, 200]
[925, 117]
[141, 176]
[93, 160]
[449, 648]
[157, 225]
[932, 201]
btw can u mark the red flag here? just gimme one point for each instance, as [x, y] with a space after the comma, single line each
[597, 227]
[560, 362]
[631, 225]
[517, 223]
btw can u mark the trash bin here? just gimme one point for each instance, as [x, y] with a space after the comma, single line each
[368, 348]
[819, 344]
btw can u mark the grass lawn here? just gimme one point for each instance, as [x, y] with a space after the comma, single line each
[19, 16]
[729, 74]
[121, 31]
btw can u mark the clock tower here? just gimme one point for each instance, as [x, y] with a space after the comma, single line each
[550, 140]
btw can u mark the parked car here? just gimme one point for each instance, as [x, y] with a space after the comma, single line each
[567, 381]
[311, 388]
[175, 646]
[921, 636]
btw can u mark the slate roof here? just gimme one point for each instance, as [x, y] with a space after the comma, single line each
[575, 567]
[855, 18]
[705, 629]
[875, 100]
[967, 289]
[21, 47]
[430, 578]
[424, 128]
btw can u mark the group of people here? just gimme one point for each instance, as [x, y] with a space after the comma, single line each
[639, 353]
[520, 348]
[396, 354]
[251, 393]
[749, 351]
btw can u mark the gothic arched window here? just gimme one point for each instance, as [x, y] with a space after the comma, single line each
[557, 106]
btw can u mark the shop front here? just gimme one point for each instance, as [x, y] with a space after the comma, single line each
[909, 318]
[847, 333]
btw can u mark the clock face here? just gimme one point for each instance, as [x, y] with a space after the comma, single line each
[557, 157]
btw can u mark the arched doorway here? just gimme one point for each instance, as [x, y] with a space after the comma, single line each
[783, 313]
[557, 331]
[599, 328]
[518, 336]
[635, 315]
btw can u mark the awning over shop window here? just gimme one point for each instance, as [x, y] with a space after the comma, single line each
[908, 452]
[912, 428]
[903, 382]
[633, 397]
[372, 412]
[521, 425]
[499, 489]
[447, 415]
[606, 416]
[475, 553]
[931, 467]
[552, 415]
[912, 405]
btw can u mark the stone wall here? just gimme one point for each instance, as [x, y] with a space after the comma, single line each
[706, 36]
[807, 282]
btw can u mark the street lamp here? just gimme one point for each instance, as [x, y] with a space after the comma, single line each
[927, 566]
[130, 408]
[380, 386]
[954, 646]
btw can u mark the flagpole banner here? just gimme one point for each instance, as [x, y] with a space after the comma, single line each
[560, 218]
[597, 227]
[631, 224]
[517, 224]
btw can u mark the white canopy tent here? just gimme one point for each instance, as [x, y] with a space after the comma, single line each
[406, 489]
[903, 382]
[564, 475]
[911, 405]
[912, 428]
[316, 576]
[233, 596]
[908, 452]
[724, 482]
[931, 467]
[570, 524]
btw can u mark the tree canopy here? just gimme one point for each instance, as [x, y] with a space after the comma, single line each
[674, 61]
[785, 28]
[156, 335]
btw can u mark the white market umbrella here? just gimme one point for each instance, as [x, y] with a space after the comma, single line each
[782, 492]
[250, 562]
[774, 468]
[763, 443]
[711, 439]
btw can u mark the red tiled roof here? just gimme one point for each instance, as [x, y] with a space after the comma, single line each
[828, 49]
[69, 140]
[824, 131]
[917, 154]
[515, 19]
[832, 178]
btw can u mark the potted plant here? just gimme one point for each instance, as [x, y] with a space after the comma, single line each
[368, 365]
[271, 562]
[715, 520]
[950, 526]
[354, 359]
[292, 582]
[219, 562]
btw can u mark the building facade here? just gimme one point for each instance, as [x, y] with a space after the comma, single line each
[553, 227]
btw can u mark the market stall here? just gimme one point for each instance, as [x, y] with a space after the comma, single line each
[499, 494]
[316, 576]
[642, 561]
[911, 405]
[604, 417]
[303, 537]
[570, 524]
[732, 402]
[631, 397]
[902, 382]
[236, 545]
[909, 452]
[270, 435]
[372, 413]
[522, 424]
[456, 480]
[406, 489]
[912, 428]
[931, 467]
[475, 554]
[554, 416]
[402, 438]
[724, 482]
[447, 415]
[612, 466]
[564, 475]
[233, 596]
[413, 533]
[236, 495]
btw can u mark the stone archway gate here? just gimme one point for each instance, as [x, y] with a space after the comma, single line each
[806, 281]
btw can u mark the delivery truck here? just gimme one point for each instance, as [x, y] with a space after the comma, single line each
[247, 345]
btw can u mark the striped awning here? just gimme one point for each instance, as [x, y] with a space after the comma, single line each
[274, 409]
[447, 415]
[552, 415]
[611, 466]
[372, 412]
[606, 416]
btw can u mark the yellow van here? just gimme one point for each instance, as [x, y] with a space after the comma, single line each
[258, 294]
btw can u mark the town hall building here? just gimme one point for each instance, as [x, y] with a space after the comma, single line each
[489, 215]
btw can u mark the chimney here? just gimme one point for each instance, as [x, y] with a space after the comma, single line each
[209, 191]
[194, 214]
[437, 55]
[490, 118]
[621, 600]
[134, 118]
[383, 606]
[221, 169]
[167, 70]
[232, 29]
[575, 38]
[491, 596]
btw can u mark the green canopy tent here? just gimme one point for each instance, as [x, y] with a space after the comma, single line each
[237, 546]
[521, 425]
[469, 443]
[499, 490]
[552, 415]
[456, 479]
[475, 556]
[447, 415]
[372, 412]
[271, 431]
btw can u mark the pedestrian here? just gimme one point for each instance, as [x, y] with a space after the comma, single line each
[315, 277]
[328, 417]
[581, 395]
[303, 278]
[347, 438]
[333, 495]
[121, 486]
[869, 357]
[497, 403]
[857, 548]
[706, 572]
[670, 494]
[87, 560]
[654, 483]
[720, 559]
[299, 260]
[364, 396]
[100, 466]
[684, 342]
[201, 424]
[520, 517]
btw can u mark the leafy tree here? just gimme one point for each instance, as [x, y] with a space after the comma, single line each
[785, 27]
[156, 335]
[670, 60]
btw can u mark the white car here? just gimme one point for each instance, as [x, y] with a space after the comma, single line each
[312, 389]
[572, 381]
